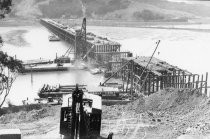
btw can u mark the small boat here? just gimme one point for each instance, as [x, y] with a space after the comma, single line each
[95, 71]
[46, 67]
[54, 38]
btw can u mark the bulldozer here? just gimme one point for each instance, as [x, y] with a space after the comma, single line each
[80, 116]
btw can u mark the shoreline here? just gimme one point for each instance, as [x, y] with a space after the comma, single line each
[13, 22]
[92, 22]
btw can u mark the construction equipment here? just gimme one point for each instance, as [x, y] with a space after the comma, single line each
[62, 59]
[81, 115]
[80, 34]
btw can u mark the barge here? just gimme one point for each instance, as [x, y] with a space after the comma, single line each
[36, 61]
[108, 97]
[57, 90]
[62, 63]
[47, 67]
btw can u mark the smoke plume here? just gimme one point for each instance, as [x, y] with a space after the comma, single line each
[83, 8]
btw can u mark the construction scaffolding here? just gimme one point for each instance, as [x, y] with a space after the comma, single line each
[157, 75]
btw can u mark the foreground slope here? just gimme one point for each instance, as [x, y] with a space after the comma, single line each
[168, 114]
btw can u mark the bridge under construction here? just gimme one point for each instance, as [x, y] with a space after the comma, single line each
[86, 45]
[137, 74]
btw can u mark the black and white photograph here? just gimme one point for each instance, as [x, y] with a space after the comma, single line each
[104, 69]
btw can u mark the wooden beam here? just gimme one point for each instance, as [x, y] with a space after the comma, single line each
[158, 83]
[201, 84]
[153, 84]
[149, 84]
[178, 79]
[188, 84]
[206, 84]
[193, 82]
[107, 53]
[115, 73]
[132, 77]
[197, 82]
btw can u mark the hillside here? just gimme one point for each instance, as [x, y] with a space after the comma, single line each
[167, 114]
[140, 10]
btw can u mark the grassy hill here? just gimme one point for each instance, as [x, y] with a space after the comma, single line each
[140, 10]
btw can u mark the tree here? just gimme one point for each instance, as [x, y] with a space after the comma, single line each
[148, 15]
[1, 40]
[9, 68]
[5, 7]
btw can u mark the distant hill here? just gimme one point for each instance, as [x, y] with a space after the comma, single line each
[140, 10]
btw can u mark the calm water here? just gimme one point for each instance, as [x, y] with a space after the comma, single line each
[186, 49]
[38, 46]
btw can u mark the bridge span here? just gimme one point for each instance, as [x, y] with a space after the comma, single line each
[86, 45]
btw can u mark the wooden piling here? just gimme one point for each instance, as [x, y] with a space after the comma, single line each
[161, 82]
[149, 84]
[197, 82]
[157, 83]
[201, 84]
[193, 82]
[188, 84]
[153, 84]
[183, 79]
[178, 80]
[206, 84]
[132, 72]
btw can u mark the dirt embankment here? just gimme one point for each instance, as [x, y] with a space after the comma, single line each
[31, 119]
[167, 114]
